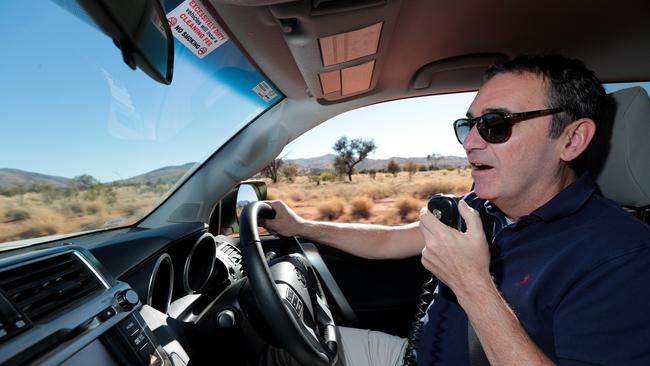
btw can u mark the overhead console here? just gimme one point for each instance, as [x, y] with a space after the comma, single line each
[337, 62]
[58, 307]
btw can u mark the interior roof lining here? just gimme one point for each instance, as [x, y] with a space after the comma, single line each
[620, 55]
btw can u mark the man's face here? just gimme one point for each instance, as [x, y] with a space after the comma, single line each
[525, 167]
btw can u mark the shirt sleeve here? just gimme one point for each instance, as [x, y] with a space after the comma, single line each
[604, 319]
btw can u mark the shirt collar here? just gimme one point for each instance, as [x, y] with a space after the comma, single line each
[568, 201]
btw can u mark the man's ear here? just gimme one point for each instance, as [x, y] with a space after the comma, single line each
[576, 138]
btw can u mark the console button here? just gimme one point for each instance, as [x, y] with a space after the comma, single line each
[106, 314]
[130, 327]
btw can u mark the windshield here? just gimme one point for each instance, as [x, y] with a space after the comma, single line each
[87, 143]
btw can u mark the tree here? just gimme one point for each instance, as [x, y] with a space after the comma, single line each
[411, 167]
[85, 181]
[351, 153]
[271, 171]
[392, 167]
[290, 172]
[435, 158]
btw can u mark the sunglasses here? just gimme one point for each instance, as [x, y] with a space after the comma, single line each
[495, 127]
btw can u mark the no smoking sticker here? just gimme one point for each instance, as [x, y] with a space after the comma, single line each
[195, 28]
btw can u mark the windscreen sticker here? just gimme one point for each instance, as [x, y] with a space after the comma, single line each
[264, 91]
[194, 27]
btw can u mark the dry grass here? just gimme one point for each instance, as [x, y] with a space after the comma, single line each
[331, 209]
[38, 214]
[381, 195]
[361, 207]
[407, 207]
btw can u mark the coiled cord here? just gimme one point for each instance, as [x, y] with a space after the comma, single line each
[426, 296]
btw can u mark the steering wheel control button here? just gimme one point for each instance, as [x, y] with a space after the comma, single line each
[226, 319]
[294, 300]
[128, 300]
[299, 308]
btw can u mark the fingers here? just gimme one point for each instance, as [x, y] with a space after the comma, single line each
[472, 219]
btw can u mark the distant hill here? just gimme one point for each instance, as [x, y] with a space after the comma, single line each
[168, 175]
[21, 178]
[326, 162]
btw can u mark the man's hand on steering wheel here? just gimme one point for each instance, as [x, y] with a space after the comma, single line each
[289, 296]
[286, 221]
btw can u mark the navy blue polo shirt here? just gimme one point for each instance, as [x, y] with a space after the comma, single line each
[576, 272]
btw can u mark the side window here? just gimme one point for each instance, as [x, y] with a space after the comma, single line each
[407, 151]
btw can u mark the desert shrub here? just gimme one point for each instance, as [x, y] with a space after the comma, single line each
[327, 176]
[37, 231]
[93, 208]
[16, 214]
[407, 206]
[411, 167]
[72, 207]
[314, 178]
[297, 195]
[290, 172]
[361, 207]
[331, 209]
[429, 189]
[110, 196]
[393, 167]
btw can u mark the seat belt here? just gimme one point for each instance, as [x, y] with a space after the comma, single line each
[477, 356]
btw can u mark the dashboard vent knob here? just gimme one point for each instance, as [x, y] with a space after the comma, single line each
[127, 300]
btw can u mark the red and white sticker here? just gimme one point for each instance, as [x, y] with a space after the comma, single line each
[194, 27]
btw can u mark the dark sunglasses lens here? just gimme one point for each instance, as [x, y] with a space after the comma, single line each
[461, 127]
[494, 128]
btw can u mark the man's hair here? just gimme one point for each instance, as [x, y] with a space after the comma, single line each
[569, 84]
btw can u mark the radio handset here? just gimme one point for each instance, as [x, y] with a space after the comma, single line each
[444, 208]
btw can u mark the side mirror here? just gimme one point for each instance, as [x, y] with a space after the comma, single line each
[225, 219]
[248, 192]
[140, 30]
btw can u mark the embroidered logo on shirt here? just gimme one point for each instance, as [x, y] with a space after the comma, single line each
[524, 279]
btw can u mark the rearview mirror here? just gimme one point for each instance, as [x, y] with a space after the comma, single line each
[139, 29]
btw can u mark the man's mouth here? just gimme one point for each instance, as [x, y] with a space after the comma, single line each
[480, 166]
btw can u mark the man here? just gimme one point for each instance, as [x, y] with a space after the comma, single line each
[547, 272]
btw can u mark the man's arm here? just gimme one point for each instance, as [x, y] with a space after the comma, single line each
[461, 261]
[363, 240]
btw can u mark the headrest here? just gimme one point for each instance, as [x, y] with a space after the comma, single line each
[619, 156]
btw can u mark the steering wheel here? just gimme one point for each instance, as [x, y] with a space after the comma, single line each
[290, 297]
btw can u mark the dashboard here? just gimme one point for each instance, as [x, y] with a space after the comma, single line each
[134, 299]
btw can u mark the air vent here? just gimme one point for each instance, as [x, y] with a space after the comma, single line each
[46, 286]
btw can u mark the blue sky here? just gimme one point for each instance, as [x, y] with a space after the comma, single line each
[413, 127]
[71, 106]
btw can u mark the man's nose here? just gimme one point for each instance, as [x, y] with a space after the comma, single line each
[474, 141]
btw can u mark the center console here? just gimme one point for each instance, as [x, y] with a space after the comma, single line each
[57, 307]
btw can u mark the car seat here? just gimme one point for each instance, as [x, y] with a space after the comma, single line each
[618, 156]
